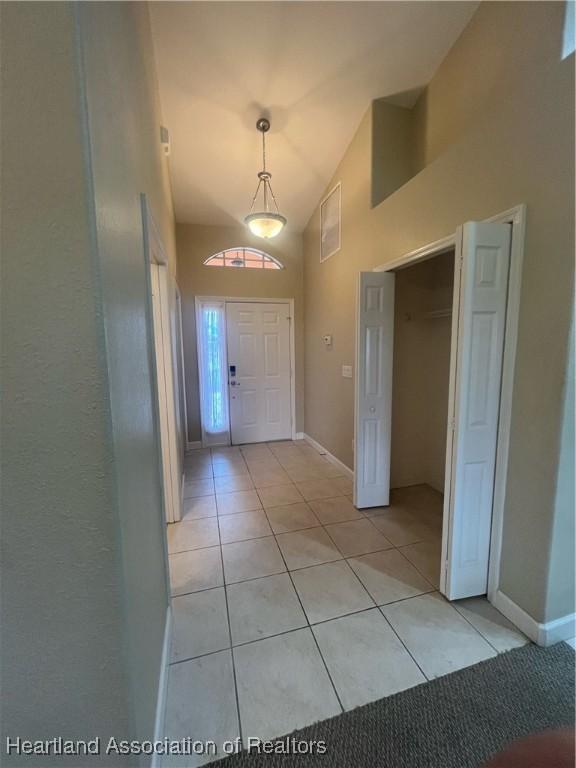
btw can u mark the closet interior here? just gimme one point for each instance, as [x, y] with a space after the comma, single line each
[422, 343]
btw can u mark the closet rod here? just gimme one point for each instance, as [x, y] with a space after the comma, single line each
[434, 314]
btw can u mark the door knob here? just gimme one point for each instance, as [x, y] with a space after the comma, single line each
[372, 409]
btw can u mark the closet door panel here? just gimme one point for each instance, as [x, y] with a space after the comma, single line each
[373, 393]
[476, 403]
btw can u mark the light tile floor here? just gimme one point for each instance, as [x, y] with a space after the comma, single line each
[290, 605]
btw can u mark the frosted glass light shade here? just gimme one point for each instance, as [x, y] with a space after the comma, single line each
[265, 224]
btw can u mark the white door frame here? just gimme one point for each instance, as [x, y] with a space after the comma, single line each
[172, 483]
[181, 354]
[248, 300]
[517, 218]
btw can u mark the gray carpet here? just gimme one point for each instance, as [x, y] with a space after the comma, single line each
[456, 721]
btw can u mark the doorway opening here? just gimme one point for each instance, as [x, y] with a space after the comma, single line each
[246, 370]
[420, 393]
[398, 434]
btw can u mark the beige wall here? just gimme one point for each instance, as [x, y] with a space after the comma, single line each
[421, 373]
[496, 129]
[84, 587]
[62, 600]
[195, 243]
[393, 148]
[123, 122]
[560, 578]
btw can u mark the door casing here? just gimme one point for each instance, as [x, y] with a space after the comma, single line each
[517, 218]
[170, 454]
[199, 300]
[166, 387]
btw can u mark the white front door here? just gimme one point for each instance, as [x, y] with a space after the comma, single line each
[259, 371]
[475, 399]
[373, 396]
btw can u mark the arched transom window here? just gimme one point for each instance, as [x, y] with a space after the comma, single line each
[250, 258]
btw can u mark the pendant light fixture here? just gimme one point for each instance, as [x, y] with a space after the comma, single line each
[263, 222]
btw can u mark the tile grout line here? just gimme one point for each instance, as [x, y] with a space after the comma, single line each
[392, 546]
[408, 651]
[303, 568]
[252, 578]
[230, 639]
[242, 645]
[308, 625]
[475, 628]
[364, 587]
[378, 607]
[201, 655]
[426, 579]
[311, 630]
[434, 588]
[344, 558]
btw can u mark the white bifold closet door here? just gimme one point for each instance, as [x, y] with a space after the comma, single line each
[373, 400]
[476, 376]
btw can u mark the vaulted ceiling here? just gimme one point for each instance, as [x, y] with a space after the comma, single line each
[311, 67]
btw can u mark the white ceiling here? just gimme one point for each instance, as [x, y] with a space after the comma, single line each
[312, 67]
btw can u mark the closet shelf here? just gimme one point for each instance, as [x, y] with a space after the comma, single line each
[434, 314]
[437, 313]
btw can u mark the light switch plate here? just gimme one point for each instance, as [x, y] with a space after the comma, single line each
[347, 371]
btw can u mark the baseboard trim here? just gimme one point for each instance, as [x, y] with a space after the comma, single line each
[331, 458]
[194, 445]
[180, 509]
[299, 436]
[546, 634]
[162, 687]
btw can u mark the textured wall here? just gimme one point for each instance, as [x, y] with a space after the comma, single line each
[561, 575]
[496, 128]
[62, 605]
[124, 124]
[84, 581]
[393, 149]
[195, 244]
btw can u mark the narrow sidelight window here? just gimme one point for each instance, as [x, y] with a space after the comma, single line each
[213, 369]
